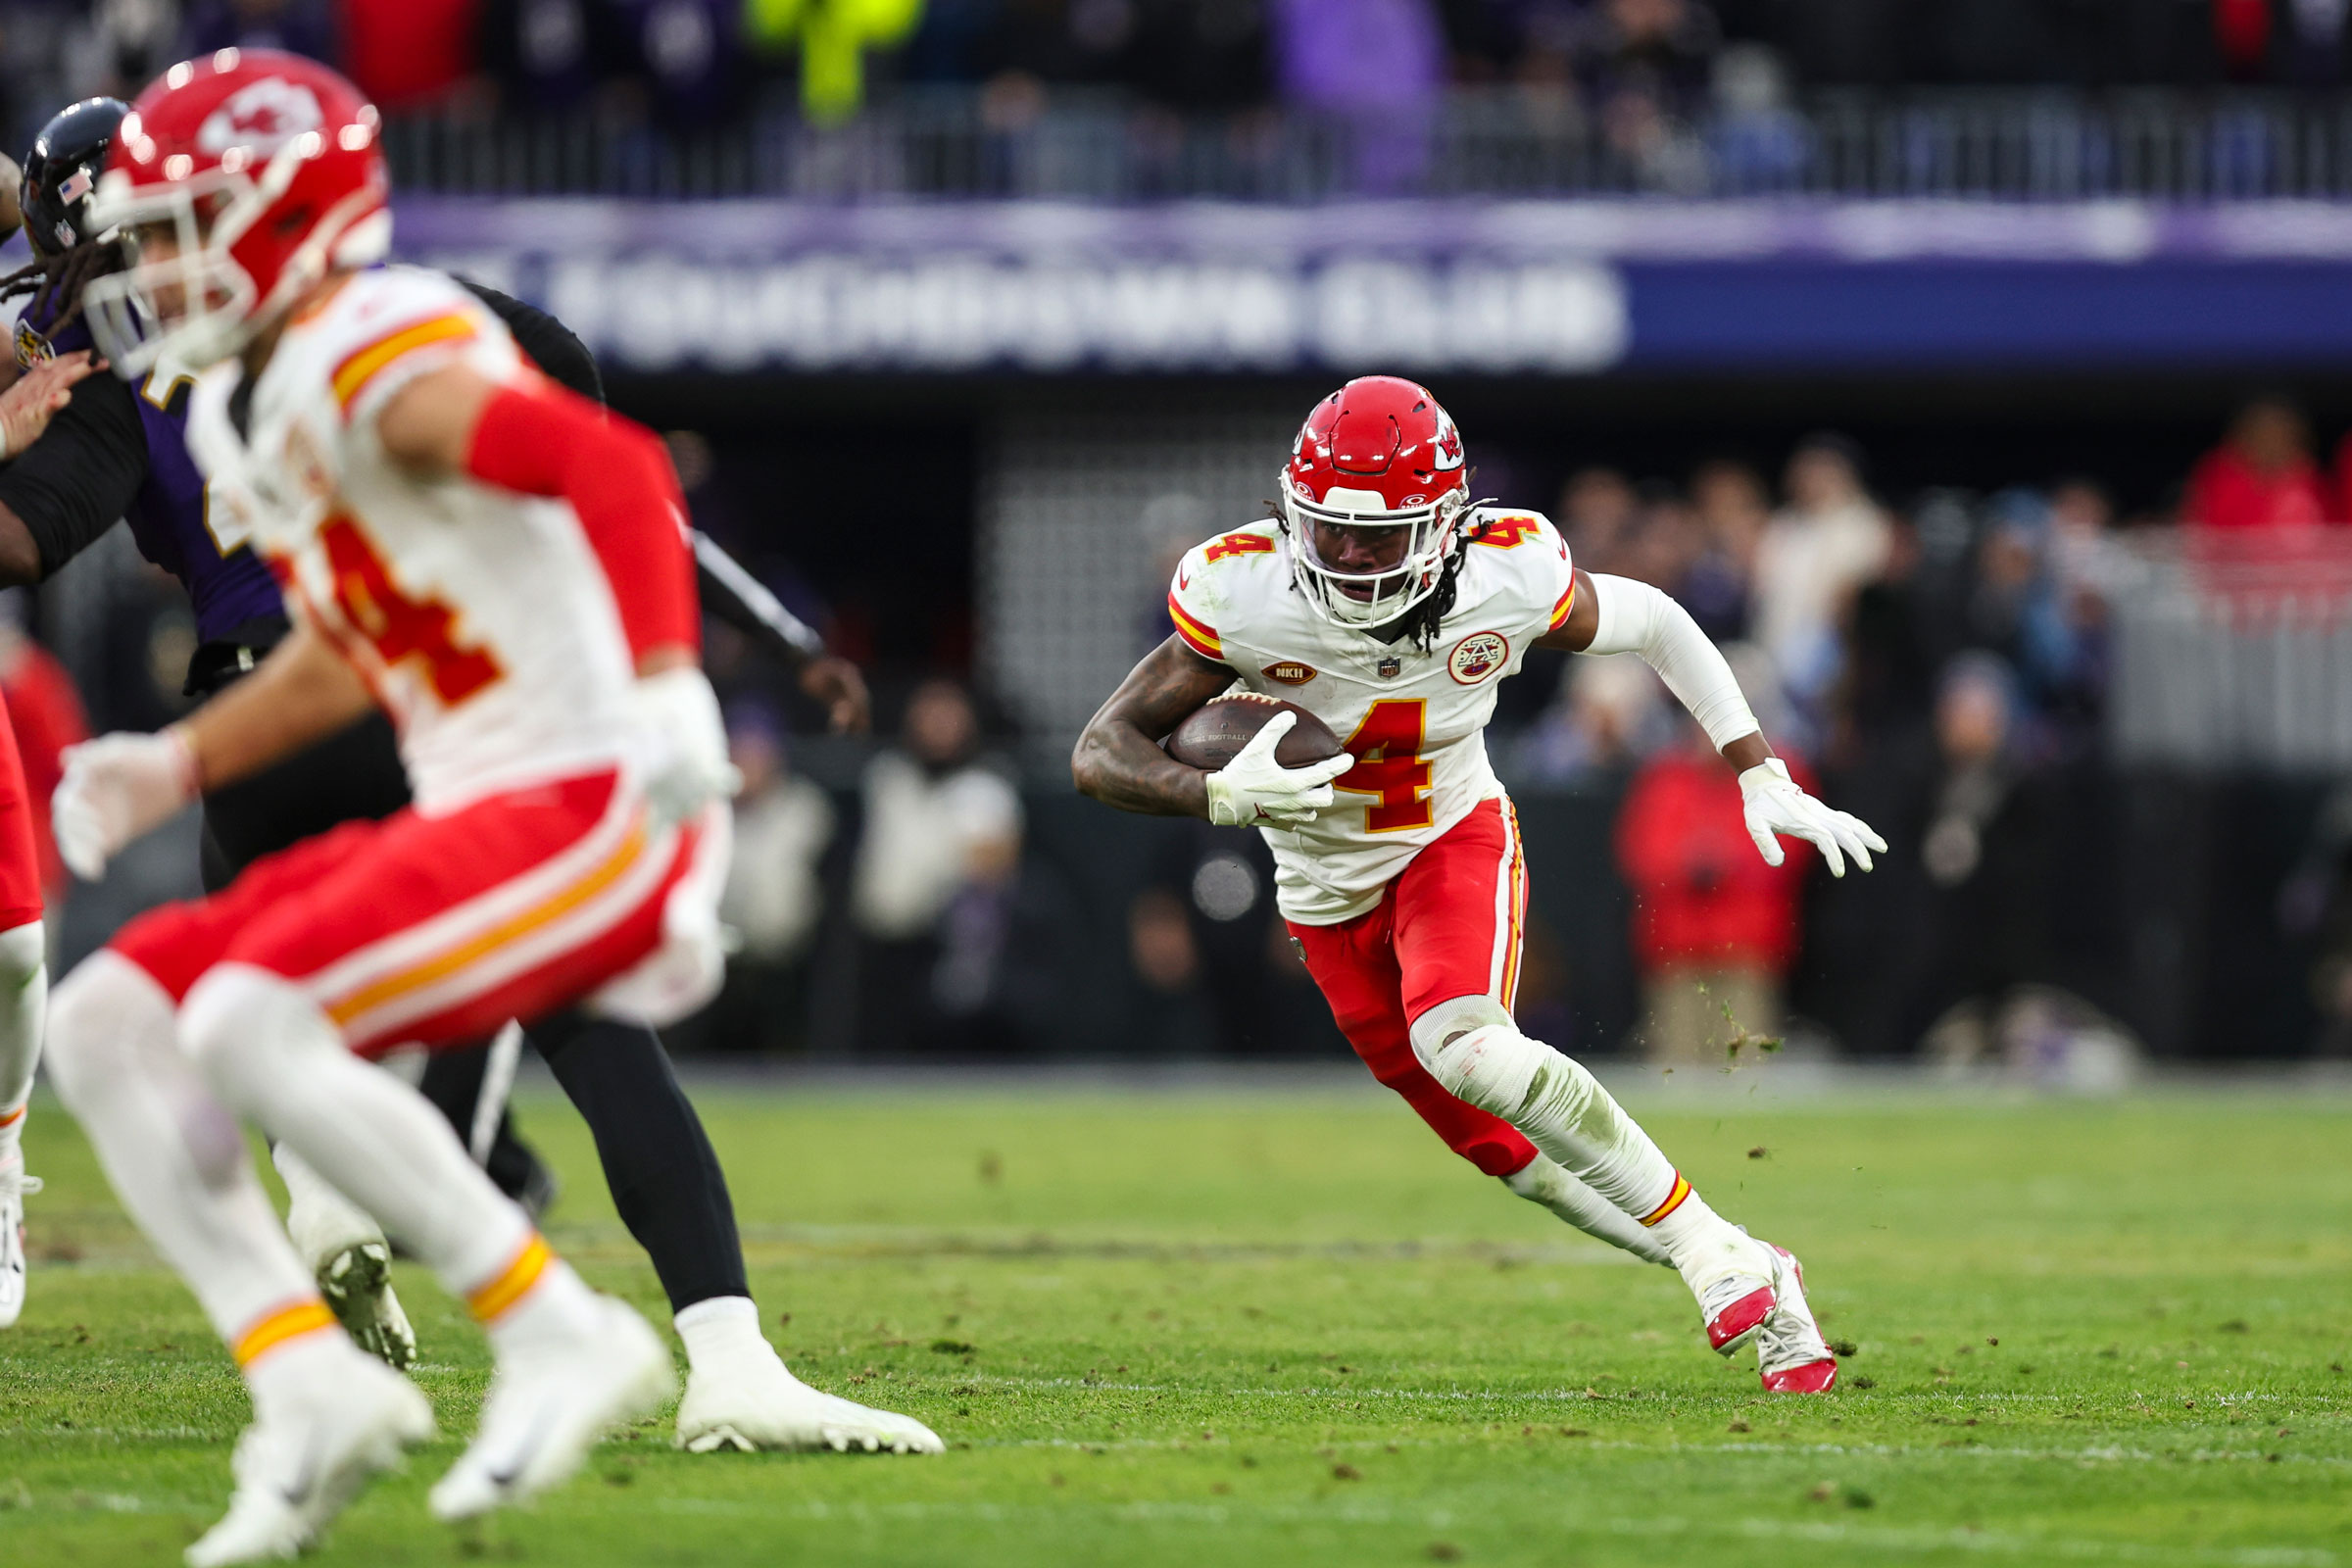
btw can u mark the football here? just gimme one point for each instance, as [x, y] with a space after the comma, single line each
[1216, 732]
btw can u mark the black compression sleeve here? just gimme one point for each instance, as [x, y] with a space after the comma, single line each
[551, 344]
[72, 484]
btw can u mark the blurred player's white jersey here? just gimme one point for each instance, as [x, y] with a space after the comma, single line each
[1415, 719]
[482, 618]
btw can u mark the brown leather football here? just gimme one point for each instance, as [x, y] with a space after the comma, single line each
[1216, 733]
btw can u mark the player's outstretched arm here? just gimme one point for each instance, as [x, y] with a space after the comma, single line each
[1620, 615]
[1118, 761]
[120, 787]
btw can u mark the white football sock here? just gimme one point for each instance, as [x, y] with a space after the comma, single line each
[1542, 1181]
[721, 1330]
[173, 1152]
[1565, 1112]
[24, 995]
[276, 1058]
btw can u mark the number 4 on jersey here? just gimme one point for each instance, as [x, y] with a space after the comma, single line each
[398, 627]
[1387, 748]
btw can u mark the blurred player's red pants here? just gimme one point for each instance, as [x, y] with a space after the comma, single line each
[438, 929]
[19, 833]
[1448, 926]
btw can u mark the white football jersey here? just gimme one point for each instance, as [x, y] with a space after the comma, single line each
[1415, 720]
[480, 619]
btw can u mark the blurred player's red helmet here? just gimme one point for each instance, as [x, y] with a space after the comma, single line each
[236, 182]
[1379, 452]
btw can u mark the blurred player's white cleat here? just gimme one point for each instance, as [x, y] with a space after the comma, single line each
[1732, 1274]
[298, 1466]
[756, 1403]
[346, 1251]
[15, 1187]
[552, 1399]
[1790, 1353]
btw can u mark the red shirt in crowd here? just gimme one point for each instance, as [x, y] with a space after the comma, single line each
[1704, 897]
[405, 52]
[2225, 491]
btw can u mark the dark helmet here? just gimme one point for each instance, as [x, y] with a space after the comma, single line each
[62, 168]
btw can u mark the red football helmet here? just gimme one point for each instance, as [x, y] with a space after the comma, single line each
[236, 182]
[1379, 452]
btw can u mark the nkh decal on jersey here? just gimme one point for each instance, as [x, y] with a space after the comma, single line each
[1477, 656]
[1289, 671]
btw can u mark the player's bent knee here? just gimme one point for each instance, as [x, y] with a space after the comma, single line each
[240, 1024]
[23, 951]
[1453, 1019]
[1503, 1072]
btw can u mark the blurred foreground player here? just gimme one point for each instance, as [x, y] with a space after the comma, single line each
[505, 571]
[120, 451]
[25, 410]
[1386, 604]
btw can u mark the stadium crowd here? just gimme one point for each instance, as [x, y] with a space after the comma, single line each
[1630, 64]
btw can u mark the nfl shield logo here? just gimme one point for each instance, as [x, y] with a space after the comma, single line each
[1391, 668]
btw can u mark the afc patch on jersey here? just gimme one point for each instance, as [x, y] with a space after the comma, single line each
[1477, 656]
[31, 348]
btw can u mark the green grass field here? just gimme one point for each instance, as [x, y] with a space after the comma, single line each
[1226, 1328]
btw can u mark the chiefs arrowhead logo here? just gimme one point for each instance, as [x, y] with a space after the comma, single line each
[1448, 442]
[1289, 673]
[262, 117]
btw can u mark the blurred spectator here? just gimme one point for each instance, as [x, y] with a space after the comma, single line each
[1646, 68]
[783, 826]
[1731, 513]
[1715, 929]
[1610, 713]
[545, 55]
[45, 711]
[687, 53]
[2261, 477]
[932, 892]
[1190, 54]
[298, 27]
[1666, 542]
[1599, 512]
[1987, 917]
[831, 37]
[409, 54]
[2017, 608]
[1374, 65]
[1203, 929]
[1828, 540]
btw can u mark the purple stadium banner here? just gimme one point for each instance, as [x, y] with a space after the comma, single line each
[1542, 288]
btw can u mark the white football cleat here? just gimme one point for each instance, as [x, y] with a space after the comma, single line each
[296, 1469]
[549, 1404]
[347, 1254]
[752, 1401]
[1732, 1275]
[15, 1187]
[1790, 1353]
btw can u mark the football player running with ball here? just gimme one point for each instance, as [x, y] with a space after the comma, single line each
[503, 569]
[1385, 603]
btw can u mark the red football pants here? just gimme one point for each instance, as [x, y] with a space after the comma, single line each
[436, 930]
[1448, 926]
[20, 859]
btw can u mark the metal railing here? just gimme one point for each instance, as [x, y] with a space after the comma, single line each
[1998, 144]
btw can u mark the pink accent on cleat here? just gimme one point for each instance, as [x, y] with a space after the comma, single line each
[1730, 1328]
[1814, 1377]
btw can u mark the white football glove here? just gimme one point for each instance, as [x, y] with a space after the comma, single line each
[691, 767]
[1254, 789]
[1775, 805]
[116, 789]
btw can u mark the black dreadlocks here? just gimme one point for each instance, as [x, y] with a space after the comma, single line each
[56, 278]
